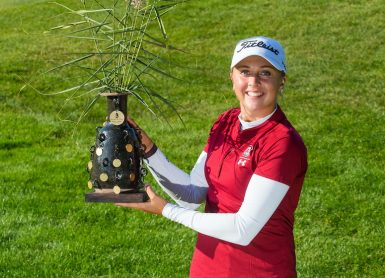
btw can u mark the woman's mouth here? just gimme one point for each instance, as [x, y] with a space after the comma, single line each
[254, 94]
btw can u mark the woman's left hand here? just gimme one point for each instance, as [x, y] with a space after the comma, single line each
[154, 205]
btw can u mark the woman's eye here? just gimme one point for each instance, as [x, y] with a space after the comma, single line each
[265, 73]
[245, 72]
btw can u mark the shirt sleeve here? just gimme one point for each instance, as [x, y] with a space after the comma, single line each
[188, 190]
[262, 198]
[283, 161]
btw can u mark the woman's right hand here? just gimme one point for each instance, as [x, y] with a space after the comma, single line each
[145, 140]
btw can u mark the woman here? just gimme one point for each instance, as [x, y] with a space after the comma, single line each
[250, 174]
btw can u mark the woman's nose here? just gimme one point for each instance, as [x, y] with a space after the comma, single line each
[252, 80]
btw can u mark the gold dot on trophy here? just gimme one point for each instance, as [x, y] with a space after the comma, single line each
[89, 165]
[103, 177]
[90, 184]
[116, 117]
[132, 177]
[129, 148]
[99, 151]
[116, 162]
[116, 189]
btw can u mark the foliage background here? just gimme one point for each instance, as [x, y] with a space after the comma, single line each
[334, 97]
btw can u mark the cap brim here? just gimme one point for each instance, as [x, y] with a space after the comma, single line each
[267, 55]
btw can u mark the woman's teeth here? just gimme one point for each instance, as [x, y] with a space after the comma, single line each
[254, 94]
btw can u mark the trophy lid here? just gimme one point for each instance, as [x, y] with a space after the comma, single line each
[113, 94]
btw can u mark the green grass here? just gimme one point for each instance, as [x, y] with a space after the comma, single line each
[334, 97]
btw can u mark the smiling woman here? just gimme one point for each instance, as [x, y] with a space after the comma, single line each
[256, 84]
[250, 174]
[258, 74]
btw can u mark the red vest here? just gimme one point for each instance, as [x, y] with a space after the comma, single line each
[273, 150]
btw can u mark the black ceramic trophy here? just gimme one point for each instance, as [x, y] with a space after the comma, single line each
[115, 168]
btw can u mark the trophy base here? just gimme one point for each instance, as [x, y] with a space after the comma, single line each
[111, 197]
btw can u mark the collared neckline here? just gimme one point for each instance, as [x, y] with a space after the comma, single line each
[247, 125]
[243, 136]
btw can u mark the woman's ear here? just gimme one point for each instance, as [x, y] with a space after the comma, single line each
[282, 83]
[231, 78]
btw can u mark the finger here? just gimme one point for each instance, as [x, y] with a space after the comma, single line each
[131, 205]
[132, 122]
[121, 204]
[150, 192]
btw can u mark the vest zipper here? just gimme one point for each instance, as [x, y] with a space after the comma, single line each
[223, 159]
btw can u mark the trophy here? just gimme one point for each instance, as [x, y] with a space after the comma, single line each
[128, 43]
[115, 167]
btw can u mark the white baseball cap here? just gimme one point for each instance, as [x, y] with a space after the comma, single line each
[265, 47]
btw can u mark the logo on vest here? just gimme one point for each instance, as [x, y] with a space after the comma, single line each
[242, 162]
[247, 152]
[245, 156]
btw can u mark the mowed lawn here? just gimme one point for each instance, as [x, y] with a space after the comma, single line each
[334, 97]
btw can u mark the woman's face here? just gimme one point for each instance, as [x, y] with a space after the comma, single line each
[256, 84]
